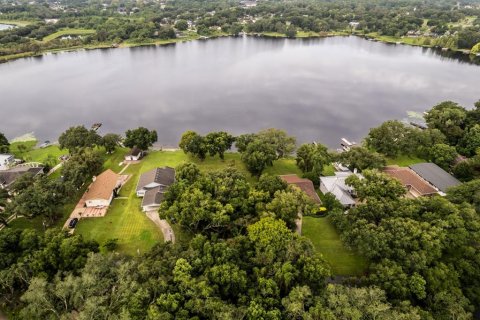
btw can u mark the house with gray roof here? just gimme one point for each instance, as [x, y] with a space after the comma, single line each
[436, 176]
[153, 198]
[154, 178]
[336, 185]
[8, 177]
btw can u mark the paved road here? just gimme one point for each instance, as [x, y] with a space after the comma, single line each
[167, 231]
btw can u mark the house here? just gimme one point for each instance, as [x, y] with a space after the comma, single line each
[415, 185]
[336, 185]
[135, 154]
[155, 178]
[8, 177]
[153, 198]
[303, 184]
[101, 192]
[436, 176]
[6, 161]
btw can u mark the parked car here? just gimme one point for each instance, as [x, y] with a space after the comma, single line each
[73, 223]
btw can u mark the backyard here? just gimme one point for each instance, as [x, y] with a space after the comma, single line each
[326, 241]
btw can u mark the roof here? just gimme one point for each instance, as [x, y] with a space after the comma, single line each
[7, 177]
[410, 180]
[153, 196]
[103, 186]
[304, 184]
[336, 185]
[164, 176]
[135, 151]
[435, 175]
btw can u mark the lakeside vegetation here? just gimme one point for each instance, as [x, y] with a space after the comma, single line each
[443, 24]
[238, 253]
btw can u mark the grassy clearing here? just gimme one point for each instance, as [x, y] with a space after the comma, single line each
[68, 32]
[326, 241]
[18, 23]
[404, 160]
[29, 153]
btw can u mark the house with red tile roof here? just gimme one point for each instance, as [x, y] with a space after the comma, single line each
[303, 184]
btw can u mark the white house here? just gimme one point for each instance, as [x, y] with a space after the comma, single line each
[6, 161]
[101, 191]
[336, 185]
[134, 155]
[158, 177]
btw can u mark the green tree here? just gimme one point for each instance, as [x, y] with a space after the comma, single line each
[283, 143]
[391, 138]
[312, 158]
[271, 184]
[140, 137]
[291, 31]
[81, 167]
[361, 158]
[257, 156]
[288, 205]
[443, 155]
[193, 143]
[4, 144]
[449, 118]
[181, 25]
[76, 138]
[470, 141]
[110, 142]
[376, 185]
[187, 171]
[166, 32]
[218, 143]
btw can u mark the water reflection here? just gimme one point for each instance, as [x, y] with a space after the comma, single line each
[317, 89]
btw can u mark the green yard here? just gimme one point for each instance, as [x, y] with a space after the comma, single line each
[327, 241]
[404, 161]
[26, 150]
[68, 32]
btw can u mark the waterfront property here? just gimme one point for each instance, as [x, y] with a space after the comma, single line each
[415, 185]
[336, 185]
[101, 192]
[135, 154]
[436, 176]
[305, 185]
[6, 161]
[157, 177]
[8, 177]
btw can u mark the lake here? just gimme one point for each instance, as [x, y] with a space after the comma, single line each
[316, 89]
[5, 26]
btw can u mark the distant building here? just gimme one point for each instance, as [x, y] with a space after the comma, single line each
[101, 192]
[8, 177]
[415, 185]
[6, 161]
[135, 154]
[336, 185]
[158, 177]
[303, 184]
[436, 176]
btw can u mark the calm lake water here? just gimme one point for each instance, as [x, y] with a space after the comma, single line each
[321, 89]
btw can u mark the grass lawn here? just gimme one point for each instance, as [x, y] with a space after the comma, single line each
[19, 23]
[49, 154]
[404, 161]
[327, 241]
[68, 32]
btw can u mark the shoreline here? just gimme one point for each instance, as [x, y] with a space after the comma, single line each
[271, 35]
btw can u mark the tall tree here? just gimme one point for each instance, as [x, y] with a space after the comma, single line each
[449, 118]
[141, 138]
[76, 138]
[218, 143]
[4, 144]
[194, 144]
[110, 141]
[361, 158]
[312, 158]
[257, 156]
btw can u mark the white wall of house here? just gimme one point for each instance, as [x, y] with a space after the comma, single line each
[6, 161]
[132, 158]
[141, 192]
[99, 202]
[323, 188]
[151, 208]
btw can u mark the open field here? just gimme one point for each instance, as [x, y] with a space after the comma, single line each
[68, 32]
[48, 155]
[326, 240]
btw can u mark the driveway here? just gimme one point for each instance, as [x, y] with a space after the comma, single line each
[167, 231]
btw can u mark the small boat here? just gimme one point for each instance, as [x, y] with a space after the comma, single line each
[346, 145]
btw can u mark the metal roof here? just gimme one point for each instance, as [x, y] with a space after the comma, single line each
[435, 175]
